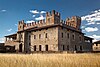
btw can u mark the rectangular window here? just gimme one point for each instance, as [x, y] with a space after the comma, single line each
[34, 47]
[62, 35]
[81, 48]
[39, 47]
[73, 37]
[68, 35]
[46, 35]
[96, 44]
[63, 47]
[39, 36]
[75, 48]
[29, 44]
[46, 47]
[34, 36]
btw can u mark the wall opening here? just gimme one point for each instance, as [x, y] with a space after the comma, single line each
[20, 47]
[81, 48]
[39, 47]
[46, 47]
[75, 48]
[34, 47]
[63, 47]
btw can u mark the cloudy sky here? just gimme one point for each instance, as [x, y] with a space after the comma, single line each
[12, 11]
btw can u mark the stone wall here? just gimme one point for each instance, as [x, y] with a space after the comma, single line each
[39, 38]
[70, 40]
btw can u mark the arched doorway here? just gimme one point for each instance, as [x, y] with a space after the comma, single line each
[20, 47]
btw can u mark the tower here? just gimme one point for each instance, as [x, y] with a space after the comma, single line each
[52, 17]
[21, 25]
[77, 21]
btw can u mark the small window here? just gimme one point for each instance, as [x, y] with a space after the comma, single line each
[34, 47]
[68, 35]
[34, 36]
[67, 47]
[63, 47]
[39, 47]
[46, 35]
[29, 44]
[46, 47]
[81, 48]
[39, 36]
[75, 48]
[62, 35]
[96, 44]
[73, 37]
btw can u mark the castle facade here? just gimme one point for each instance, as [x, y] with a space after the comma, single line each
[53, 34]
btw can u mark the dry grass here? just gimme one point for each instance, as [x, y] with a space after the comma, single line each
[50, 60]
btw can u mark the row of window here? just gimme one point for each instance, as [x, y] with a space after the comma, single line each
[75, 47]
[46, 36]
[73, 36]
[40, 48]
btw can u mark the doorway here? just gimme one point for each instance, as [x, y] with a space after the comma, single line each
[46, 47]
[39, 47]
[34, 47]
[20, 47]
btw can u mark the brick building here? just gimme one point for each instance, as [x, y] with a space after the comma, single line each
[53, 34]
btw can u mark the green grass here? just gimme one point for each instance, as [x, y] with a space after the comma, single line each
[50, 60]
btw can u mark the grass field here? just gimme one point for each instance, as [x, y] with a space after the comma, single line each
[50, 60]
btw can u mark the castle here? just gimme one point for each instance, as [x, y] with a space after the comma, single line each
[53, 34]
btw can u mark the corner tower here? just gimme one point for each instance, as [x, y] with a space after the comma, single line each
[77, 21]
[21, 25]
[52, 17]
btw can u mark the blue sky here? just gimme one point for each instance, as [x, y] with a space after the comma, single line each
[12, 11]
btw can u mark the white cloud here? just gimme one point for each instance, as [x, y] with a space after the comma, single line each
[15, 24]
[33, 16]
[9, 30]
[82, 27]
[2, 40]
[90, 29]
[96, 37]
[43, 12]
[98, 23]
[40, 18]
[3, 10]
[30, 21]
[90, 23]
[92, 18]
[34, 11]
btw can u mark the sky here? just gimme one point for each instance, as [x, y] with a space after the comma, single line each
[12, 11]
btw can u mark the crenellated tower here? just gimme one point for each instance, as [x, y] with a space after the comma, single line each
[75, 22]
[52, 17]
[21, 25]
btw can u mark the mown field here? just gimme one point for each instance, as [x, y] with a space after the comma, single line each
[50, 60]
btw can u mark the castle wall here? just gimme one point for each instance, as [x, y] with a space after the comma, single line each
[51, 40]
[67, 41]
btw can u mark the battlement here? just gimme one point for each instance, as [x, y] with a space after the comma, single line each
[52, 18]
[33, 24]
[52, 13]
[21, 22]
[74, 21]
